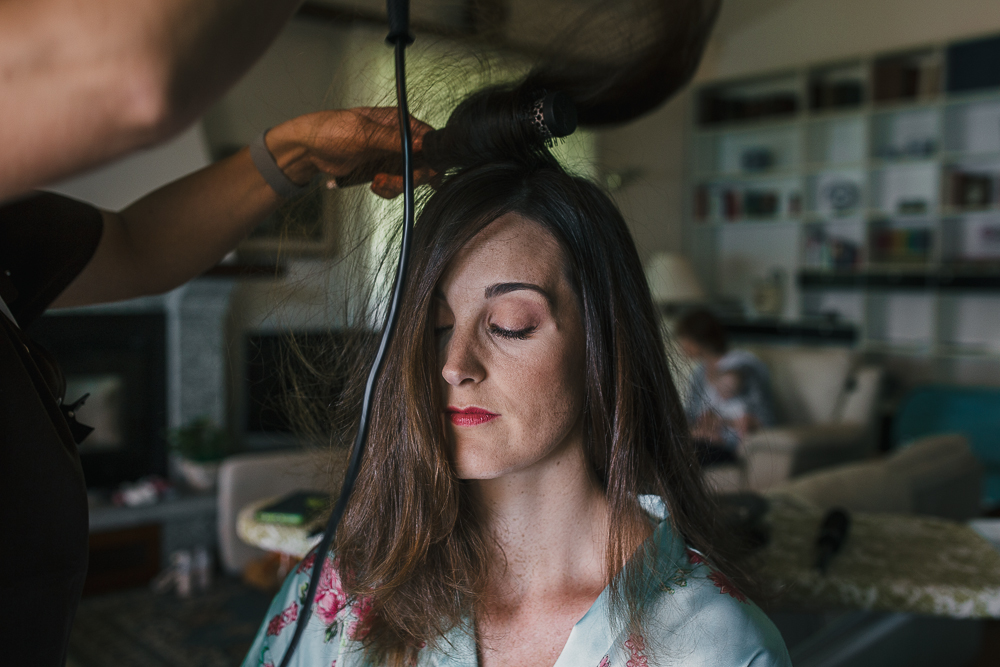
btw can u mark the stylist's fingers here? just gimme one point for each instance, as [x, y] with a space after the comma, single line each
[390, 186]
[384, 128]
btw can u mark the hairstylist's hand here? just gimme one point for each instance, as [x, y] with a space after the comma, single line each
[341, 142]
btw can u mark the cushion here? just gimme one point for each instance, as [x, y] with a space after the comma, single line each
[807, 381]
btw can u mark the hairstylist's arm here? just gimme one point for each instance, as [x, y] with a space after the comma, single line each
[85, 82]
[184, 228]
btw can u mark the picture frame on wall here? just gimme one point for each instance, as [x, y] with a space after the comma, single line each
[302, 227]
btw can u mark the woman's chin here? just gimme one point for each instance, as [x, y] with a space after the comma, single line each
[480, 465]
[478, 470]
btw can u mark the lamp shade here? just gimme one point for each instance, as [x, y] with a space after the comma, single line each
[671, 279]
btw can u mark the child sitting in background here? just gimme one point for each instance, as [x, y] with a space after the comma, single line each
[729, 395]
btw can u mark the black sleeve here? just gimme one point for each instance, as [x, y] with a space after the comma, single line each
[45, 242]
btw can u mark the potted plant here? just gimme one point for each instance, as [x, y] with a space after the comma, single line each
[199, 447]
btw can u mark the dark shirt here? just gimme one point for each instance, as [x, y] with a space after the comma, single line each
[45, 241]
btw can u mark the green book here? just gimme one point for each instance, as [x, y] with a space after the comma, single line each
[295, 509]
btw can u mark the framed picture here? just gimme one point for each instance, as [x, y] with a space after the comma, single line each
[304, 226]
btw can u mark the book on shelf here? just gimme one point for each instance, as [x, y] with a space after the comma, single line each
[822, 251]
[972, 189]
[909, 77]
[974, 64]
[733, 204]
[835, 94]
[716, 107]
[903, 245]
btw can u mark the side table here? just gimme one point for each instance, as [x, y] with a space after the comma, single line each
[130, 545]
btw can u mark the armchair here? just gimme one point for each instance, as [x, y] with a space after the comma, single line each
[826, 406]
[244, 478]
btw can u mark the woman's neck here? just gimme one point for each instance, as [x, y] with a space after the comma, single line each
[551, 523]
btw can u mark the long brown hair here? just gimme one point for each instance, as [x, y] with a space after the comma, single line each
[411, 538]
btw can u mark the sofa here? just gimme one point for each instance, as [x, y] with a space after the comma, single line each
[934, 476]
[826, 403]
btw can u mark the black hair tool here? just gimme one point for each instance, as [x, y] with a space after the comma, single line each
[400, 37]
[552, 116]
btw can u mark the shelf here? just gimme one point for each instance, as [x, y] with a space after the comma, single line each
[852, 215]
[748, 125]
[245, 271]
[960, 351]
[902, 106]
[969, 155]
[901, 349]
[105, 516]
[900, 279]
[835, 114]
[911, 281]
[878, 214]
[889, 163]
[719, 177]
[750, 221]
[949, 210]
[818, 331]
[820, 167]
[973, 96]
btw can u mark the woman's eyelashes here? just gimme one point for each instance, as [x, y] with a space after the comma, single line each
[512, 334]
[496, 330]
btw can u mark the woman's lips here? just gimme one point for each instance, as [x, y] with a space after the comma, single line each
[471, 416]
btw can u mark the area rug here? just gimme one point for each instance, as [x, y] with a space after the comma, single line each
[139, 628]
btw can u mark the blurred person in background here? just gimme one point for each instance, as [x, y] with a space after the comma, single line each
[729, 394]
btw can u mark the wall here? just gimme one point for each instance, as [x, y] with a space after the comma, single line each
[648, 159]
[295, 76]
[769, 35]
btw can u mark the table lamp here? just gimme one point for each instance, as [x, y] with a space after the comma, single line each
[672, 282]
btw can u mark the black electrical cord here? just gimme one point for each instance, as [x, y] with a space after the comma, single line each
[401, 39]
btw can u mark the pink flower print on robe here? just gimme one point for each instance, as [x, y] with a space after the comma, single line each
[695, 557]
[330, 597]
[636, 646]
[279, 622]
[362, 608]
[725, 585]
[306, 562]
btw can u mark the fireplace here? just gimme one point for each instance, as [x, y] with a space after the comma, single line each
[120, 360]
[267, 415]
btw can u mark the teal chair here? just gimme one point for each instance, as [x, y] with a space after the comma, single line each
[972, 411]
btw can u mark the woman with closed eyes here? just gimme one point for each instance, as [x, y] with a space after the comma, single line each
[529, 495]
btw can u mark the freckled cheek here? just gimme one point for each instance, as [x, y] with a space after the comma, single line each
[545, 390]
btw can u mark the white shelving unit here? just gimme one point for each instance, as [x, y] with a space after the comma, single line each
[881, 212]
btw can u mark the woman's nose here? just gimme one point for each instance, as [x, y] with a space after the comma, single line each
[462, 361]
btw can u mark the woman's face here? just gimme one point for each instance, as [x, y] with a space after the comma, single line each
[510, 350]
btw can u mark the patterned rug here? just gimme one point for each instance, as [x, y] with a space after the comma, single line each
[139, 628]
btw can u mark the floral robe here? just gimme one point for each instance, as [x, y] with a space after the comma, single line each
[696, 618]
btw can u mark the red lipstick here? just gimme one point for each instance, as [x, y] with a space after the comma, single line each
[470, 416]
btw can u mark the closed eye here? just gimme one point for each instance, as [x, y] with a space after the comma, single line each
[512, 334]
[438, 331]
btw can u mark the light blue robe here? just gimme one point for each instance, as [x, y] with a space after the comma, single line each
[696, 618]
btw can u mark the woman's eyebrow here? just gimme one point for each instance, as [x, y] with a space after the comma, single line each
[498, 289]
